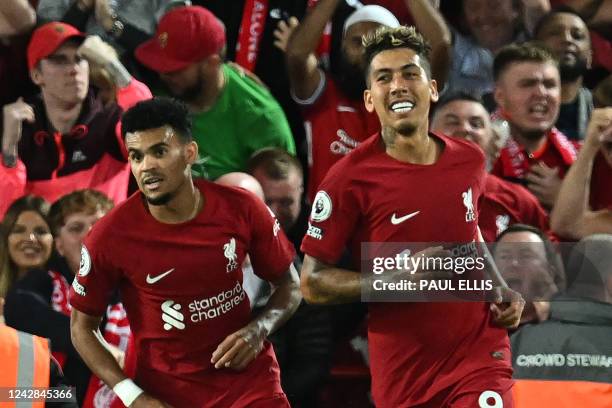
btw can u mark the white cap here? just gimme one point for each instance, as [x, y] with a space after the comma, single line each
[372, 13]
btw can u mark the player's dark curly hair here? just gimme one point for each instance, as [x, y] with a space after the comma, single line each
[387, 38]
[155, 113]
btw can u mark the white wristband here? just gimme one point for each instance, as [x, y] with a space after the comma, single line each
[127, 391]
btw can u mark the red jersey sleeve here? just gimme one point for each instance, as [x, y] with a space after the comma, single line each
[333, 219]
[270, 251]
[96, 280]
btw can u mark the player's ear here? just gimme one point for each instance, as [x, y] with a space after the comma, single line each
[191, 152]
[433, 89]
[367, 100]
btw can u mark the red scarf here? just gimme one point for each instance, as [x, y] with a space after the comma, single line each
[514, 159]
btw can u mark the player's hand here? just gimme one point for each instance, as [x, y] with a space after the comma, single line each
[96, 51]
[144, 400]
[507, 308]
[544, 182]
[239, 348]
[283, 32]
[14, 114]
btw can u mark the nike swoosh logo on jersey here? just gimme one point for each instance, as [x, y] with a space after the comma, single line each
[151, 280]
[395, 220]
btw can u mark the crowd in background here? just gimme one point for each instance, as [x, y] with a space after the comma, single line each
[275, 91]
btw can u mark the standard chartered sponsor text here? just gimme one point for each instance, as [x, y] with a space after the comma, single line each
[215, 306]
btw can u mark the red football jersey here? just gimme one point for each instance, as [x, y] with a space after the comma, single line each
[181, 285]
[334, 125]
[417, 350]
[506, 203]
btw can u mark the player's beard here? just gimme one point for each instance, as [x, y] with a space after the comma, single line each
[160, 200]
[571, 72]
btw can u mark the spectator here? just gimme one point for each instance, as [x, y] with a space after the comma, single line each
[335, 118]
[242, 180]
[565, 361]
[584, 205]
[35, 296]
[527, 90]
[491, 24]
[567, 36]
[188, 52]
[282, 180]
[64, 139]
[19, 350]
[303, 345]
[462, 115]
[17, 18]
[531, 266]
[71, 217]
[124, 24]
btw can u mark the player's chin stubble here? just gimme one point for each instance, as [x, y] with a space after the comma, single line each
[389, 134]
[161, 200]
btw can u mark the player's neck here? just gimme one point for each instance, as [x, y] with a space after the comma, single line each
[184, 207]
[416, 148]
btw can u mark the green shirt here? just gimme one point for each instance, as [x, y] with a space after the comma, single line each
[245, 118]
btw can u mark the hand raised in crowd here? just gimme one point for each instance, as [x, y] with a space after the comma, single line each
[599, 130]
[85, 5]
[283, 32]
[239, 348]
[14, 114]
[544, 182]
[96, 51]
[104, 14]
[507, 308]
[144, 400]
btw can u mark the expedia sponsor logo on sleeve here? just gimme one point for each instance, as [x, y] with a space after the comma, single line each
[314, 232]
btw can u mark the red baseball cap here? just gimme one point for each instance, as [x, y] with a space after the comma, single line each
[48, 38]
[185, 35]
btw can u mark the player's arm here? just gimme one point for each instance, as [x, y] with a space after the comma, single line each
[102, 363]
[571, 216]
[302, 64]
[325, 284]
[243, 346]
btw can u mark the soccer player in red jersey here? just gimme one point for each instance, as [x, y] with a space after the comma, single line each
[174, 250]
[408, 185]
